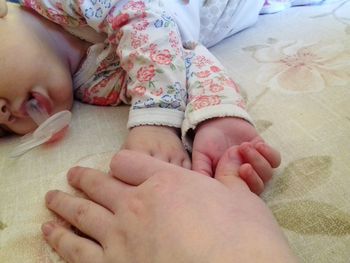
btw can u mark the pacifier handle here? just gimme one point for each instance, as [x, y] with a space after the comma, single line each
[48, 129]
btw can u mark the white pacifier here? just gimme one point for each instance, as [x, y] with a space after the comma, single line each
[47, 127]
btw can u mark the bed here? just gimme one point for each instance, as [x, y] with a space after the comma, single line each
[294, 69]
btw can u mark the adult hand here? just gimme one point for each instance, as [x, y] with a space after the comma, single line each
[152, 211]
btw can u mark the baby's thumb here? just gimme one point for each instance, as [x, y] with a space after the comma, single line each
[227, 168]
[3, 8]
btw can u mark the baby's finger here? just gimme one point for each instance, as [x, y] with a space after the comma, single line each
[270, 154]
[73, 248]
[261, 166]
[251, 178]
[182, 161]
[186, 163]
[88, 217]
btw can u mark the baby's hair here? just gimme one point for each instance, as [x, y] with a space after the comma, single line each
[3, 8]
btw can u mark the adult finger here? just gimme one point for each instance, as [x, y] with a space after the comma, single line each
[98, 186]
[270, 154]
[73, 248]
[89, 217]
[256, 160]
[134, 168]
[201, 163]
[227, 170]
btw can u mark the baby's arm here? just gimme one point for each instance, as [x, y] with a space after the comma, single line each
[216, 113]
[151, 53]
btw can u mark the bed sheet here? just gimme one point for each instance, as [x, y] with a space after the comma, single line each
[294, 68]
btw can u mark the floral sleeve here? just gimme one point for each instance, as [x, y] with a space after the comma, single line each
[150, 51]
[146, 44]
[211, 92]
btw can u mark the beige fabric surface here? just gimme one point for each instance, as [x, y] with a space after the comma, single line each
[295, 70]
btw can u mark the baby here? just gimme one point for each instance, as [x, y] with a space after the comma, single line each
[142, 53]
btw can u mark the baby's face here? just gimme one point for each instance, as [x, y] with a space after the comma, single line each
[28, 69]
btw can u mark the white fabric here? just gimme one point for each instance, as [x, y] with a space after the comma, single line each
[209, 22]
[221, 19]
[187, 17]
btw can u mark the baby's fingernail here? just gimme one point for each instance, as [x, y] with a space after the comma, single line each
[260, 145]
[47, 228]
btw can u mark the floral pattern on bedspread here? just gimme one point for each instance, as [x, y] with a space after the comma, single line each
[295, 66]
[340, 13]
[300, 99]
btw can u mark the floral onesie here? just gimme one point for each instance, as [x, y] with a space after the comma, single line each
[139, 56]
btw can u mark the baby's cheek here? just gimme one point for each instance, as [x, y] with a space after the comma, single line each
[22, 128]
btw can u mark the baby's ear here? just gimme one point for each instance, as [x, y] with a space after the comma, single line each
[3, 8]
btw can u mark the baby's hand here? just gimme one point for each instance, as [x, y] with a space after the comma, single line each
[214, 137]
[160, 142]
[253, 163]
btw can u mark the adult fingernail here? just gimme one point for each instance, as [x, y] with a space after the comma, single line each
[72, 172]
[47, 228]
[49, 196]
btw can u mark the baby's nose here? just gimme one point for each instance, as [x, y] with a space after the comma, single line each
[4, 111]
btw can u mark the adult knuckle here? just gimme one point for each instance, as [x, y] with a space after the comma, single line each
[136, 206]
[95, 185]
[81, 212]
[77, 252]
[164, 182]
[57, 240]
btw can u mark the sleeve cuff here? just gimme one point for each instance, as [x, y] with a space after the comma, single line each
[155, 116]
[194, 118]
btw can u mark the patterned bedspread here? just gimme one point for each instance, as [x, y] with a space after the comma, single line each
[294, 67]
